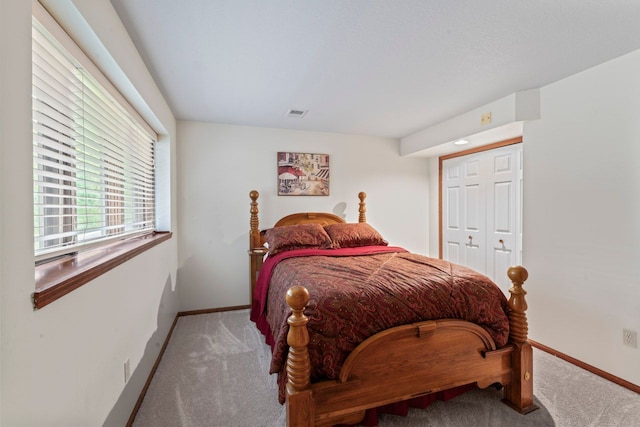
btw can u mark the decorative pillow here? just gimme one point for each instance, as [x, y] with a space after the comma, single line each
[299, 236]
[352, 235]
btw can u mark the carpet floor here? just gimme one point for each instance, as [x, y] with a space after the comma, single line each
[214, 372]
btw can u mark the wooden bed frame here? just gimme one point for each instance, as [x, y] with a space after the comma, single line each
[402, 362]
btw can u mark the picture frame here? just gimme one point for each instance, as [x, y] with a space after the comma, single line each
[303, 174]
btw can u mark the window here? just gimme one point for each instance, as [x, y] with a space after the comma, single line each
[93, 168]
[93, 156]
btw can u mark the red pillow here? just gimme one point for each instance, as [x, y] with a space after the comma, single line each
[352, 235]
[299, 236]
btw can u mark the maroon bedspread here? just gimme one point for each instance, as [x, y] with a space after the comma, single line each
[356, 293]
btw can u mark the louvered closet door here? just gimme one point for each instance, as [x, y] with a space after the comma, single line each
[464, 213]
[482, 195]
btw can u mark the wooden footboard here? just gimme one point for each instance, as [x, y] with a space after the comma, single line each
[409, 361]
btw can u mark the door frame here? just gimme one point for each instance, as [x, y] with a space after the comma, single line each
[474, 150]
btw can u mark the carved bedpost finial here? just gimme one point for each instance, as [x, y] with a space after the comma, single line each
[518, 305]
[298, 363]
[254, 222]
[363, 207]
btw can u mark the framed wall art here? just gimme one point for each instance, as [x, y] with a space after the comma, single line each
[303, 174]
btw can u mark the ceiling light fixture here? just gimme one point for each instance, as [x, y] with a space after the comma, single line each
[461, 142]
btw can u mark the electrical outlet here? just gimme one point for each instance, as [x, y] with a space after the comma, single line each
[630, 338]
[127, 370]
[485, 119]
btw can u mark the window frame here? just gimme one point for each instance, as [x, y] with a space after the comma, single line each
[57, 276]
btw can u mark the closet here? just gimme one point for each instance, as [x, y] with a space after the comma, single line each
[481, 209]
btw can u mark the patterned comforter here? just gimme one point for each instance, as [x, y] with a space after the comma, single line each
[358, 292]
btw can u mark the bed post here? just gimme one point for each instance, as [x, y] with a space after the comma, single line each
[362, 217]
[519, 393]
[256, 251]
[299, 400]
[254, 222]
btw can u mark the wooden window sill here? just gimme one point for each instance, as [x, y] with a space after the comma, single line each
[57, 278]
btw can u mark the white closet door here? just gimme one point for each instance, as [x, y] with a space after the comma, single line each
[464, 225]
[481, 210]
[519, 198]
[452, 230]
[503, 232]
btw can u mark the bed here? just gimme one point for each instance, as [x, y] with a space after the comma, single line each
[404, 351]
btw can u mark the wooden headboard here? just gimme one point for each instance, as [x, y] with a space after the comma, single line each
[257, 251]
[257, 239]
[322, 218]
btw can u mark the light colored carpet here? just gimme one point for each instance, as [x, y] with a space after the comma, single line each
[215, 373]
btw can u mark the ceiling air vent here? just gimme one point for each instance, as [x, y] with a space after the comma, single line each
[296, 113]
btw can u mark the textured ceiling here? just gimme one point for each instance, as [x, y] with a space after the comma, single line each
[371, 67]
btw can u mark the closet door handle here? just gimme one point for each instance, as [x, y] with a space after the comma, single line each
[470, 243]
[502, 246]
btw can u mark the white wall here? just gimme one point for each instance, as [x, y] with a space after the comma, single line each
[218, 166]
[14, 122]
[434, 207]
[63, 365]
[581, 210]
[505, 113]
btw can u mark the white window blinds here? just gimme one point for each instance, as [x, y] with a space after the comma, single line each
[93, 161]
